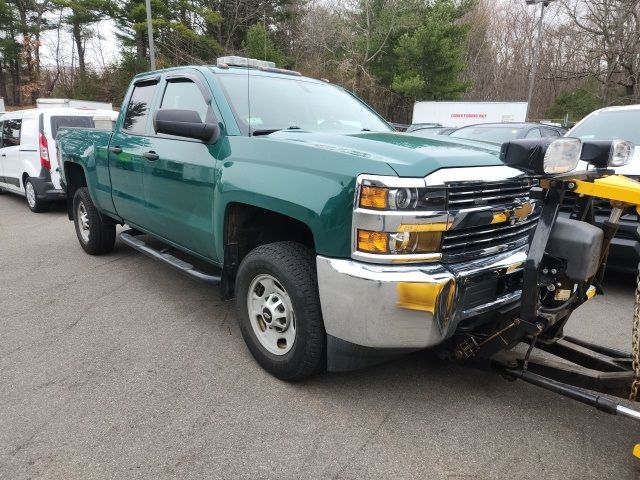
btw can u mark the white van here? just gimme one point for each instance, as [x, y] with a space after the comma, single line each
[28, 164]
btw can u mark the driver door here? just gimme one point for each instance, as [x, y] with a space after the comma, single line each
[179, 172]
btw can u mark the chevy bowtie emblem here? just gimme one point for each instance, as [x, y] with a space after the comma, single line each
[522, 212]
[513, 215]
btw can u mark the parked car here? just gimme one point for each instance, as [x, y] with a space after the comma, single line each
[433, 131]
[613, 123]
[499, 133]
[343, 241]
[28, 156]
[419, 126]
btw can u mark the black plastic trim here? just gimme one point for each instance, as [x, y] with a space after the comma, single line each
[11, 181]
[344, 356]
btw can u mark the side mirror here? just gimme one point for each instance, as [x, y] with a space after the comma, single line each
[185, 123]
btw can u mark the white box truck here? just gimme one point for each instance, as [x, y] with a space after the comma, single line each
[460, 114]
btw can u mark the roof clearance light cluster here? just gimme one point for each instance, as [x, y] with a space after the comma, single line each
[236, 61]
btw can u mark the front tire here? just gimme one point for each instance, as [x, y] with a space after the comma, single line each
[35, 205]
[278, 310]
[96, 236]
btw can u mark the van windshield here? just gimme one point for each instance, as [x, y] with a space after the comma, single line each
[61, 121]
[610, 125]
[281, 103]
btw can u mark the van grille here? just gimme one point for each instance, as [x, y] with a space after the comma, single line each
[469, 195]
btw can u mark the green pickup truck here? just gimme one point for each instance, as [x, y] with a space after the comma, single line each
[343, 242]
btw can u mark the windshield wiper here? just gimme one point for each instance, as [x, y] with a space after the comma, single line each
[269, 131]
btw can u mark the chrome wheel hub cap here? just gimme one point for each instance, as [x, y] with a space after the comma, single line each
[31, 195]
[83, 222]
[271, 314]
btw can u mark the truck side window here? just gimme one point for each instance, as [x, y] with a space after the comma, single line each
[183, 94]
[11, 133]
[135, 119]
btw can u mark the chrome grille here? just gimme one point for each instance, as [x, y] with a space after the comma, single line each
[473, 241]
[470, 242]
[470, 195]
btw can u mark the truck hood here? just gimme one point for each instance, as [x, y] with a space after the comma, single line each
[407, 155]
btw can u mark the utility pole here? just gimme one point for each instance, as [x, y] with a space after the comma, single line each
[152, 48]
[536, 52]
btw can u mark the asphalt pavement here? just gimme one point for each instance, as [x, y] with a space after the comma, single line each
[119, 367]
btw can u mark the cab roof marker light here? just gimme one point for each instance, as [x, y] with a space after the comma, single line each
[236, 61]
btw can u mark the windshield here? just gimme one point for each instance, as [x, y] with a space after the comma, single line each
[496, 135]
[611, 125]
[281, 103]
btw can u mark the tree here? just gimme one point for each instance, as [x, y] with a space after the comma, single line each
[260, 45]
[610, 32]
[81, 14]
[576, 104]
[431, 58]
[32, 21]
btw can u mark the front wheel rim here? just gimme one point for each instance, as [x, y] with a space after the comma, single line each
[271, 314]
[83, 222]
[31, 195]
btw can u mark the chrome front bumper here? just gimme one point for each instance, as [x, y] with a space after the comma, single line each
[412, 306]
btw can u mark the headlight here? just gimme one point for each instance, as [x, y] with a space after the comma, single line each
[562, 156]
[399, 242]
[398, 219]
[402, 198]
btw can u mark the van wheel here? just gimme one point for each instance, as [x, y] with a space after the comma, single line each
[95, 235]
[278, 309]
[35, 205]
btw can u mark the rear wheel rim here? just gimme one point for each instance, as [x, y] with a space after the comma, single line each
[83, 222]
[31, 194]
[271, 314]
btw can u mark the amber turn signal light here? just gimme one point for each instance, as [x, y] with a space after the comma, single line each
[373, 242]
[374, 197]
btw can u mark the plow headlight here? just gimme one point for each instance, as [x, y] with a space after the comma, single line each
[607, 153]
[542, 157]
[562, 156]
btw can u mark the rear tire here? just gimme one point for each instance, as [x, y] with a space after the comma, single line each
[277, 291]
[96, 234]
[35, 205]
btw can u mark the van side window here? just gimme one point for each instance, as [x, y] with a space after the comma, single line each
[135, 119]
[183, 94]
[11, 133]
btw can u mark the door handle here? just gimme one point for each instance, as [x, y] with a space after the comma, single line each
[4, 154]
[115, 150]
[151, 155]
